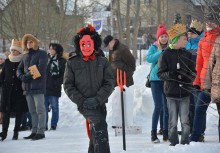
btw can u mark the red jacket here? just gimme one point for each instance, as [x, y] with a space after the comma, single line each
[204, 50]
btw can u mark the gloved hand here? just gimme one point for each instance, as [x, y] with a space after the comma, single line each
[90, 103]
[27, 77]
[175, 75]
[197, 87]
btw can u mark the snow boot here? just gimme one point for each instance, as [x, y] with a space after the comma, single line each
[165, 135]
[154, 138]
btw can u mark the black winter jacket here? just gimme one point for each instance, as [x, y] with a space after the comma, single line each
[53, 87]
[87, 79]
[168, 72]
[38, 58]
[12, 98]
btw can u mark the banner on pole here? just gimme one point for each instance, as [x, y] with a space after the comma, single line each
[97, 24]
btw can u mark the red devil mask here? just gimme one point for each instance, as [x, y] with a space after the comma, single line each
[86, 45]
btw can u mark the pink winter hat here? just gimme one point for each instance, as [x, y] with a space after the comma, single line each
[161, 29]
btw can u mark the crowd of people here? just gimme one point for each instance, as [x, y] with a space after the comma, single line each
[184, 79]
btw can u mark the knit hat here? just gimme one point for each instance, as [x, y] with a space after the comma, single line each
[195, 27]
[16, 45]
[161, 30]
[2, 55]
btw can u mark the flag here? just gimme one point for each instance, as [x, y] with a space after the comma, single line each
[97, 24]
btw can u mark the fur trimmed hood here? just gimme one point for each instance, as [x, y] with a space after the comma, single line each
[27, 37]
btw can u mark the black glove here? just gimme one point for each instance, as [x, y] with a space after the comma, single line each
[197, 87]
[90, 103]
[175, 75]
[27, 77]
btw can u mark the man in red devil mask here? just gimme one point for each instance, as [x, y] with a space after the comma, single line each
[88, 82]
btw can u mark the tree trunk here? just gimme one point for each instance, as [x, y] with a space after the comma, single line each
[120, 29]
[158, 11]
[136, 27]
[128, 24]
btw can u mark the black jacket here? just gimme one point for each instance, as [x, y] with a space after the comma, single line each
[168, 72]
[38, 58]
[86, 79]
[54, 82]
[12, 98]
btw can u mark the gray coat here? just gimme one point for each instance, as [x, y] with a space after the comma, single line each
[38, 58]
[86, 79]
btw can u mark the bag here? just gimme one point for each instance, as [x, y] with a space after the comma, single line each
[147, 84]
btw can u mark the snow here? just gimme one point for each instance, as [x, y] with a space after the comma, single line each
[71, 137]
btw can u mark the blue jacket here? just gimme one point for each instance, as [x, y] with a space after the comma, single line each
[192, 46]
[152, 57]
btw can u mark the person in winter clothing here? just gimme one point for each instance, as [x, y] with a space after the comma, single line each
[12, 98]
[120, 57]
[160, 103]
[175, 68]
[205, 49]
[88, 82]
[34, 87]
[2, 61]
[55, 71]
[194, 34]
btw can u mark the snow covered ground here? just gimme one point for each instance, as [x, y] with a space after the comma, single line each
[71, 137]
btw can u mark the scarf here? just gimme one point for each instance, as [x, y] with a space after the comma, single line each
[54, 66]
[15, 58]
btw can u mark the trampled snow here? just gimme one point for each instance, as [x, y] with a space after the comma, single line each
[71, 137]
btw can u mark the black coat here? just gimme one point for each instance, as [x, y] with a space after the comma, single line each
[53, 87]
[38, 58]
[86, 79]
[168, 72]
[12, 98]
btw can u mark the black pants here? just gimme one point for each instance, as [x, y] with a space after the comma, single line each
[6, 121]
[99, 142]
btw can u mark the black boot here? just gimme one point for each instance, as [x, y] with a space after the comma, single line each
[165, 135]
[3, 135]
[15, 136]
[30, 136]
[160, 132]
[154, 138]
[38, 137]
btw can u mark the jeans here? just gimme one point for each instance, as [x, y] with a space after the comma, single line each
[199, 122]
[52, 101]
[178, 106]
[160, 104]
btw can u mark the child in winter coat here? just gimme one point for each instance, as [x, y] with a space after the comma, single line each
[12, 98]
[176, 69]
